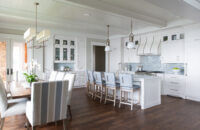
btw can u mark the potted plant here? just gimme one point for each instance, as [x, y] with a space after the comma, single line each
[31, 78]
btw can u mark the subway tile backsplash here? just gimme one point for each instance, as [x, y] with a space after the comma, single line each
[153, 63]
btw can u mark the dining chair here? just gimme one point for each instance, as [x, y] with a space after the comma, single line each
[48, 103]
[91, 83]
[9, 109]
[127, 87]
[111, 85]
[60, 76]
[53, 76]
[99, 86]
[71, 78]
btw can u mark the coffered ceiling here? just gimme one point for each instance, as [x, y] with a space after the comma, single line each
[90, 16]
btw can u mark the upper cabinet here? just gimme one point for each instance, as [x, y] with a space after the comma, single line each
[130, 55]
[173, 48]
[64, 50]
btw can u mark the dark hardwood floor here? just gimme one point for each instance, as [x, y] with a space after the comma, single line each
[173, 114]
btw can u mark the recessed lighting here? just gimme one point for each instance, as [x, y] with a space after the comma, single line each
[86, 14]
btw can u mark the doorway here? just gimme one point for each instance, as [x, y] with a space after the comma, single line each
[99, 58]
[12, 60]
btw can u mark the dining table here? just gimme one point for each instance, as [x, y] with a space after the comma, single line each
[19, 90]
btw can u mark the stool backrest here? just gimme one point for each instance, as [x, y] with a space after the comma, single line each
[90, 76]
[98, 78]
[126, 80]
[110, 79]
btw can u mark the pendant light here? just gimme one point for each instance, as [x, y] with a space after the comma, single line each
[131, 43]
[107, 48]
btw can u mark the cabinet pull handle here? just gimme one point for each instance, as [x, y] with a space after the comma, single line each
[8, 72]
[174, 89]
[174, 82]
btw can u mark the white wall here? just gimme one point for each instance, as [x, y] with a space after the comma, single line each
[115, 54]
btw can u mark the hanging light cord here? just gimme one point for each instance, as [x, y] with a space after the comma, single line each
[108, 40]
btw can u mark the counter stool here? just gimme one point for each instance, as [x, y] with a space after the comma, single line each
[110, 85]
[127, 86]
[91, 86]
[99, 86]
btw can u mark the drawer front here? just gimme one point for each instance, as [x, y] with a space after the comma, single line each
[174, 93]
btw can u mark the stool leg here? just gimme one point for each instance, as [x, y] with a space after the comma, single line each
[132, 100]
[106, 95]
[2, 123]
[114, 94]
[120, 99]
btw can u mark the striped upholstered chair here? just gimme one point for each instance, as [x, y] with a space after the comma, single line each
[48, 103]
[71, 78]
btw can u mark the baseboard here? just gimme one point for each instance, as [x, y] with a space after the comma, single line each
[193, 98]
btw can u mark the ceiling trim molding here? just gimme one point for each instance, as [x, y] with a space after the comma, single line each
[102, 6]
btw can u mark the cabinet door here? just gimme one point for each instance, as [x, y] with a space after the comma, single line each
[193, 65]
[57, 54]
[72, 54]
[65, 54]
[173, 52]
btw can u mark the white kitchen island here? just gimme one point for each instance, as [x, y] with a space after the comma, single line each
[150, 91]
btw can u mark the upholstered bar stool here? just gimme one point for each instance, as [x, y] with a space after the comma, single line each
[110, 86]
[127, 87]
[99, 86]
[91, 83]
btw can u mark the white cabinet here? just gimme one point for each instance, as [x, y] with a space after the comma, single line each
[130, 55]
[193, 63]
[173, 52]
[175, 85]
[64, 50]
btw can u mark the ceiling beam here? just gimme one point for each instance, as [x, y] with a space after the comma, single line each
[102, 6]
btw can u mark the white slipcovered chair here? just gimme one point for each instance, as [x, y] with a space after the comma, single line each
[60, 76]
[48, 103]
[7, 109]
[53, 76]
[71, 78]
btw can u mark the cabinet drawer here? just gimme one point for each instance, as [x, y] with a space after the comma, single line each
[173, 92]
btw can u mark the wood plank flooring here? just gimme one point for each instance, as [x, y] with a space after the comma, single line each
[172, 114]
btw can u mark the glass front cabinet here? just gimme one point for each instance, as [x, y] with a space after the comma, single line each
[64, 50]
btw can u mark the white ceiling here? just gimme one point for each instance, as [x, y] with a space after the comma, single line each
[70, 14]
